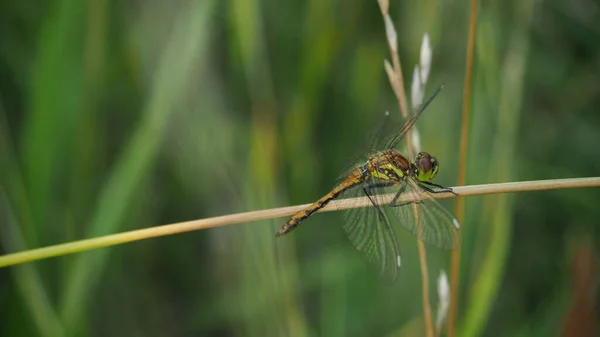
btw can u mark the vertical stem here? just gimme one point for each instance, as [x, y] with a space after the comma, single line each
[397, 83]
[401, 93]
[455, 264]
[427, 315]
[425, 283]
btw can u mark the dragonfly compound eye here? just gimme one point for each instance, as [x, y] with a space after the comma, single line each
[427, 166]
[434, 167]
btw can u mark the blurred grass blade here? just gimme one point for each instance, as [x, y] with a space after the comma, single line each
[256, 244]
[184, 45]
[319, 44]
[86, 156]
[499, 208]
[459, 209]
[26, 277]
[55, 96]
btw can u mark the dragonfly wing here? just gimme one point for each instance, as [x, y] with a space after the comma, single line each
[369, 230]
[428, 220]
[374, 142]
[395, 139]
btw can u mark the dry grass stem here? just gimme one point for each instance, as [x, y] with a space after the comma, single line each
[462, 168]
[394, 72]
[397, 83]
[428, 316]
[225, 220]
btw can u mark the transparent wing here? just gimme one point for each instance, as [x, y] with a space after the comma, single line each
[369, 230]
[396, 138]
[429, 221]
[373, 142]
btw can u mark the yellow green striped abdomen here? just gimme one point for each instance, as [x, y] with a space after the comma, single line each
[296, 219]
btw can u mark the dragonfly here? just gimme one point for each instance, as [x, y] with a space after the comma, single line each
[387, 171]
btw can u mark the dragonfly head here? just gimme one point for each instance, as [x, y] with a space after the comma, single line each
[425, 166]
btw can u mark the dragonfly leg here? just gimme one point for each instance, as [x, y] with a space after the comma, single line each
[380, 185]
[369, 187]
[383, 219]
[442, 189]
[395, 203]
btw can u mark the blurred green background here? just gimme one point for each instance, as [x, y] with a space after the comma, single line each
[119, 115]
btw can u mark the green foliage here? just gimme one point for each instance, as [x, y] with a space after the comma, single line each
[123, 115]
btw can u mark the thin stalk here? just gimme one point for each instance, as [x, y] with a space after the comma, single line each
[396, 80]
[462, 168]
[225, 220]
[428, 316]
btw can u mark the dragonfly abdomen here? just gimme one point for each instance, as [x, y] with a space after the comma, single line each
[299, 217]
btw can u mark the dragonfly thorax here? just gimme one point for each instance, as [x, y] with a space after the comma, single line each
[392, 165]
[388, 165]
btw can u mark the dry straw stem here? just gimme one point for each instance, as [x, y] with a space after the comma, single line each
[225, 220]
[397, 83]
[462, 167]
